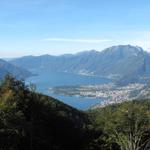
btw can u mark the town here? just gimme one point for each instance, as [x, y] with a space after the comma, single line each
[109, 93]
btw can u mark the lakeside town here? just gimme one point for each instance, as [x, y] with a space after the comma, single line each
[109, 93]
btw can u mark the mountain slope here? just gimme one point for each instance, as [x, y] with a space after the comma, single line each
[34, 121]
[123, 62]
[6, 67]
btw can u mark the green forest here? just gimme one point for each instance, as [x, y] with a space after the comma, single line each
[33, 121]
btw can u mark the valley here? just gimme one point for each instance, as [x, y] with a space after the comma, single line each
[122, 63]
[74, 75]
[90, 78]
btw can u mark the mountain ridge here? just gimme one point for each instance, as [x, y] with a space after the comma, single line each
[8, 68]
[123, 62]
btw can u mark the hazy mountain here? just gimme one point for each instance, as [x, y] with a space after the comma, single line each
[6, 67]
[123, 63]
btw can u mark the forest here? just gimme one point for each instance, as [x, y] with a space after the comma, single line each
[33, 121]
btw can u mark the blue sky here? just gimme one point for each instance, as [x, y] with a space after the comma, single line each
[35, 27]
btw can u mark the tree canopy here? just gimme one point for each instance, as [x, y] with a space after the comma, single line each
[32, 121]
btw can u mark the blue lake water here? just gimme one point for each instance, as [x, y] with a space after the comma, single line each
[45, 80]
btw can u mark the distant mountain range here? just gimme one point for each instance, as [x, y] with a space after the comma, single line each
[8, 68]
[123, 63]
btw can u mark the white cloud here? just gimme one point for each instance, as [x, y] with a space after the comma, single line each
[77, 40]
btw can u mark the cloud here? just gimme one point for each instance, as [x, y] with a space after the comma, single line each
[77, 40]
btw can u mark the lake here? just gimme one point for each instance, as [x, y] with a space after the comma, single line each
[46, 79]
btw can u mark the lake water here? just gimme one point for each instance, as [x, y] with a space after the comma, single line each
[45, 80]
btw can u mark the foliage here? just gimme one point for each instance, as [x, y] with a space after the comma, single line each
[32, 121]
[125, 124]
[29, 120]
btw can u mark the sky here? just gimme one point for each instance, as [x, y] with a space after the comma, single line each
[36, 27]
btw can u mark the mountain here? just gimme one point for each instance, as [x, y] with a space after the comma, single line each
[123, 63]
[8, 68]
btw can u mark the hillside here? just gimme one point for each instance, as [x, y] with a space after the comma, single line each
[30, 120]
[124, 126]
[123, 63]
[8, 68]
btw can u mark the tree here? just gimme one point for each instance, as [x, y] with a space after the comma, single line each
[29, 120]
[127, 125]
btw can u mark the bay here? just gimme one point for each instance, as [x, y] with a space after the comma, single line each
[46, 79]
